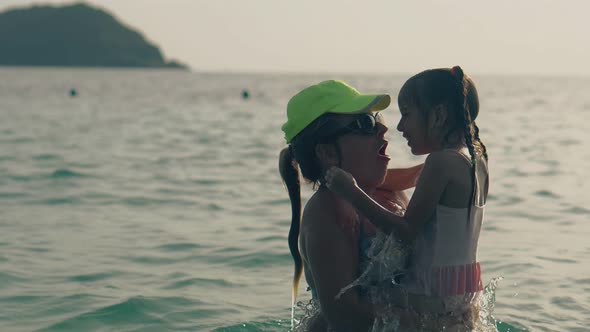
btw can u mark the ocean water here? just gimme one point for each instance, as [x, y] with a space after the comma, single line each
[151, 201]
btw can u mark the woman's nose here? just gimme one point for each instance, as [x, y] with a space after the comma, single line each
[381, 129]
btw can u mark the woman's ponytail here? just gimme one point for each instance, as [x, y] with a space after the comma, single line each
[290, 175]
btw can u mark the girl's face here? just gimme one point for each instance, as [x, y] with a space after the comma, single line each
[413, 127]
[363, 154]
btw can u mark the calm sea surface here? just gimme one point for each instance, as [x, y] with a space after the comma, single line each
[152, 200]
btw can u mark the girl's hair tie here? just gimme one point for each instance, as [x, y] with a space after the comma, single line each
[457, 72]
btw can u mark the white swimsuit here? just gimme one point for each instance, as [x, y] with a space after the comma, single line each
[444, 258]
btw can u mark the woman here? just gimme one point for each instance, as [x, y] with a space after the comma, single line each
[332, 124]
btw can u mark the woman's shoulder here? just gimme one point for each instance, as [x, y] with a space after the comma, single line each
[325, 210]
[326, 203]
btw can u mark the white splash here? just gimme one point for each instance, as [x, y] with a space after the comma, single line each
[386, 259]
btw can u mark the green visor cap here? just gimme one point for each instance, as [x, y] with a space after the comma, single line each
[328, 97]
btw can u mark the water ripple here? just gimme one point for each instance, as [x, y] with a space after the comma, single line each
[130, 314]
[56, 201]
[258, 260]
[201, 282]
[576, 210]
[91, 277]
[14, 195]
[175, 247]
[47, 156]
[547, 194]
[7, 278]
[568, 303]
[66, 173]
[557, 260]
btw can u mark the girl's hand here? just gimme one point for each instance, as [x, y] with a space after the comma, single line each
[340, 182]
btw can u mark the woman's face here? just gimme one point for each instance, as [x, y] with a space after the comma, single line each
[364, 154]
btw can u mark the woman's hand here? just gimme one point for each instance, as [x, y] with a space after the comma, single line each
[341, 182]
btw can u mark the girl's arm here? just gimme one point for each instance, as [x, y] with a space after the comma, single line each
[429, 189]
[344, 184]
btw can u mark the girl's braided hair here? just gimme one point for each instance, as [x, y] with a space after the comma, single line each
[471, 130]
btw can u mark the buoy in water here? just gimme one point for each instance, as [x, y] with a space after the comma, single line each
[245, 94]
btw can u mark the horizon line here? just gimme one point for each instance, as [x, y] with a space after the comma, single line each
[295, 72]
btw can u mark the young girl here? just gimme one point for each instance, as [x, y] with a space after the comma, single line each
[444, 216]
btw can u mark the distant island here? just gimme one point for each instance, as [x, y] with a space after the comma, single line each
[75, 36]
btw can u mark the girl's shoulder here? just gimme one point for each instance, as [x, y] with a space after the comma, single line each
[449, 160]
[453, 166]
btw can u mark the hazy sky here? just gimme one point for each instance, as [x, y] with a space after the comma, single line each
[391, 36]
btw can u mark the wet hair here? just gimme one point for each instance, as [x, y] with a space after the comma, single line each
[299, 156]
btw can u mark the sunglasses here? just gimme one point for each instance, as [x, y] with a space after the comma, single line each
[364, 124]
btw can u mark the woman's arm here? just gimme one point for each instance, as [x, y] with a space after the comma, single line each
[331, 253]
[399, 179]
[391, 193]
